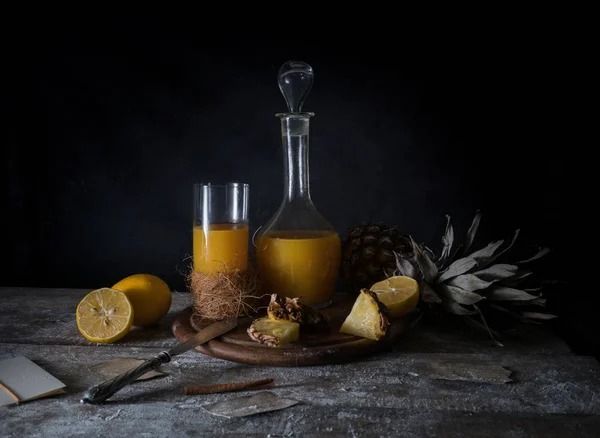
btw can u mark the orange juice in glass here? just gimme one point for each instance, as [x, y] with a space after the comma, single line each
[220, 232]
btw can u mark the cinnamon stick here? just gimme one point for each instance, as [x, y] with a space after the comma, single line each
[228, 387]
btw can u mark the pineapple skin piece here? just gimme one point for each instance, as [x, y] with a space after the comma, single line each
[291, 309]
[273, 333]
[368, 317]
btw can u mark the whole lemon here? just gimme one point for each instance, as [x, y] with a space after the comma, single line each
[150, 297]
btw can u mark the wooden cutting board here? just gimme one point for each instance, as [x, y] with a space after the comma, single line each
[313, 348]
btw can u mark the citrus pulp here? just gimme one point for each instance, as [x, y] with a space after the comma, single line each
[104, 315]
[400, 294]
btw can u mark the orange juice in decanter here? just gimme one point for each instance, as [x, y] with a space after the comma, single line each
[299, 263]
[298, 251]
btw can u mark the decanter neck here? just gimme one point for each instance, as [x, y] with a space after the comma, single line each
[295, 140]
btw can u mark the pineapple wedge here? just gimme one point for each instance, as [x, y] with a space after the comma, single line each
[368, 317]
[274, 332]
[291, 309]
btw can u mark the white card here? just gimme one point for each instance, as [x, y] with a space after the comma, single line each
[26, 380]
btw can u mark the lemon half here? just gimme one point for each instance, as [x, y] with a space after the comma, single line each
[104, 315]
[400, 294]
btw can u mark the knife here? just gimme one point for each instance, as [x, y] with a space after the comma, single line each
[104, 390]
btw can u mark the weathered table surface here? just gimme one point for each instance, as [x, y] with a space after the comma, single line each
[554, 392]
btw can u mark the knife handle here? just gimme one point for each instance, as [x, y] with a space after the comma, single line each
[104, 390]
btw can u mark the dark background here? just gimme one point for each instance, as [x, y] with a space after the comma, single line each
[115, 119]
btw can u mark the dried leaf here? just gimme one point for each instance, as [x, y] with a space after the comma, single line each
[484, 322]
[519, 315]
[500, 308]
[536, 315]
[458, 309]
[428, 251]
[490, 260]
[497, 272]
[479, 326]
[116, 367]
[428, 295]
[541, 253]
[530, 321]
[470, 282]
[459, 295]
[457, 267]
[482, 255]
[466, 372]
[456, 251]
[516, 279]
[537, 302]
[405, 267]
[472, 232]
[500, 293]
[249, 405]
[447, 241]
[430, 271]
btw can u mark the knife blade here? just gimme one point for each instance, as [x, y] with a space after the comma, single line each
[106, 389]
[206, 334]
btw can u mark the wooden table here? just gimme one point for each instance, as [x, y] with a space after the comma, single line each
[555, 393]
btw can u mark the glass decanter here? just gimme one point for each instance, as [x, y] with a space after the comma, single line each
[298, 251]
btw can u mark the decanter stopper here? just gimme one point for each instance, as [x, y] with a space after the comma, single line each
[295, 81]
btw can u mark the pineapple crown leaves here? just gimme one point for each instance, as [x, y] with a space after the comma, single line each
[465, 281]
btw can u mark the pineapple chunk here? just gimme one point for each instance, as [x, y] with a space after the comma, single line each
[291, 309]
[368, 317]
[274, 332]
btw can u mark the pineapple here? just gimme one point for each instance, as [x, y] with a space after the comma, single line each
[291, 309]
[274, 332]
[368, 254]
[368, 317]
[466, 282]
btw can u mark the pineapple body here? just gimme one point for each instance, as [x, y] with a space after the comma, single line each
[368, 318]
[368, 254]
[274, 332]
